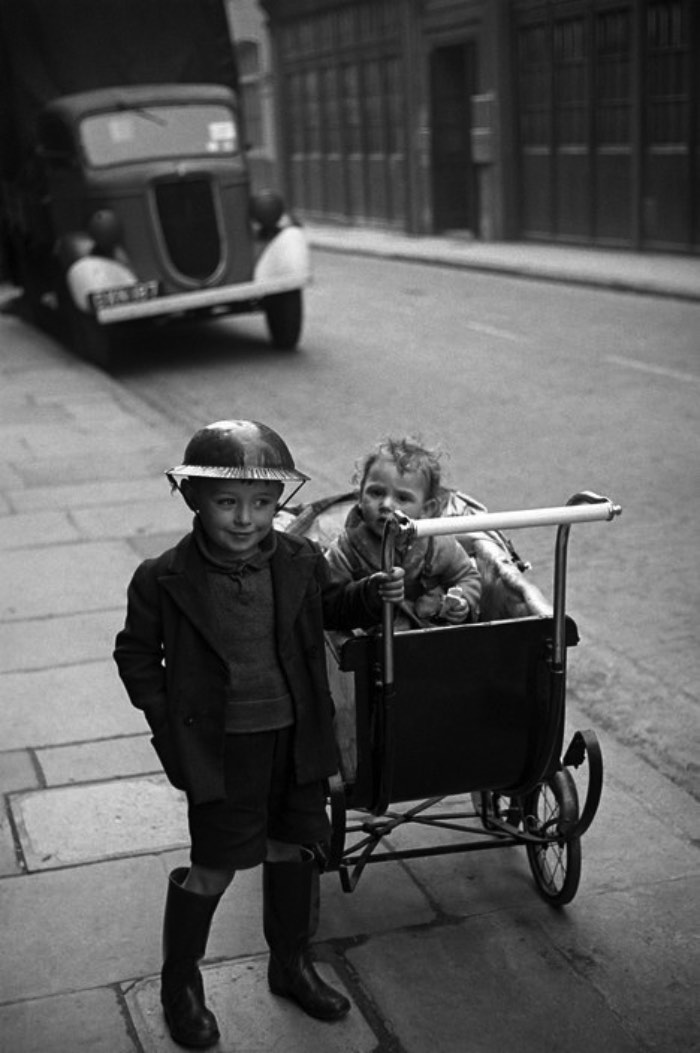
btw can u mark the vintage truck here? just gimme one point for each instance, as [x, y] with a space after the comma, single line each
[126, 196]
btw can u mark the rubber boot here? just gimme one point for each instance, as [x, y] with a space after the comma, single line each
[290, 907]
[186, 928]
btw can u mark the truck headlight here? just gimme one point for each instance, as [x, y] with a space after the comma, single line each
[266, 209]
[105, 230]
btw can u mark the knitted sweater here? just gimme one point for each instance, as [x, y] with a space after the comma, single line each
[241, 595]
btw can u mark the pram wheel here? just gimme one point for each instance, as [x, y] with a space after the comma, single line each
[552, 808]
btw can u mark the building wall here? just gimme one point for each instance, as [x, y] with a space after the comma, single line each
[608, 121]
[249, 30]
[574, 121]
[343, 123]
[375, 113]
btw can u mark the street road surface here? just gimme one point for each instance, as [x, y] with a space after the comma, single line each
[536, 391]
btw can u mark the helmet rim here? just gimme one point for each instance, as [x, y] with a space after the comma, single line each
[250, 473]
[238, 449]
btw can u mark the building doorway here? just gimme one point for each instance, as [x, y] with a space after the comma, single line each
[452, 81]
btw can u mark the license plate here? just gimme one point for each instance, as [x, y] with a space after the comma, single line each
[122, 294]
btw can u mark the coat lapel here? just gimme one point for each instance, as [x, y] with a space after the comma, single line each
[185, 584]
[292, 566]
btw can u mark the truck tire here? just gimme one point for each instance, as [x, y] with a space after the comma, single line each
[90, 340]
[24, 272]
[284, 313]
[85, 336]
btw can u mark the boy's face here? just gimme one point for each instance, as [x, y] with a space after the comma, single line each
[387, 490]
[236, 514]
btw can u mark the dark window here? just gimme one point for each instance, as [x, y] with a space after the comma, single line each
[353, 116]
[295, 128]
[570, 82]
[250, 80]
[331, 105]
[373, 98]
[534, 66]
[312, 112]
[668, 80]
[613, 77]
[395, 104]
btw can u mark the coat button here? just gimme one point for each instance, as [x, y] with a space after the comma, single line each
[188, 721]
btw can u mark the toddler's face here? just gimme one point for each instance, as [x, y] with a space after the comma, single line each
[236, 514]
[387, 490]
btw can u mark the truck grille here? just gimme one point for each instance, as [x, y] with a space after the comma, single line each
[188, 222]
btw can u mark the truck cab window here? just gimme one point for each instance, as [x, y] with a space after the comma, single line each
[158, 132]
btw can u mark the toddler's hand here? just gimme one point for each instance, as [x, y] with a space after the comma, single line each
[455, 607]
[389, 586]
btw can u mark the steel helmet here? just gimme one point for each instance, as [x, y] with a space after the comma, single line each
[237, 449]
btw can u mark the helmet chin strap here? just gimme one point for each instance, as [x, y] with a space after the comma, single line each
[175, 486]
[294, 492]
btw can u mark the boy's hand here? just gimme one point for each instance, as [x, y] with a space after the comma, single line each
[389, 586]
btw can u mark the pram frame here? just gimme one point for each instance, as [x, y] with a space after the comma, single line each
[499, 826]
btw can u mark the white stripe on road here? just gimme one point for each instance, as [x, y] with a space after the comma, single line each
[490, 330]
[659, 371]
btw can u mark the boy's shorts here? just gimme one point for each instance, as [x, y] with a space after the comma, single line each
[262, 801]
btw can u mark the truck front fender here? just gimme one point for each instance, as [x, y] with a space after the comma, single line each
[286, 256]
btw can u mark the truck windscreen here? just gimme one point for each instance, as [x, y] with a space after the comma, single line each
[159, 131]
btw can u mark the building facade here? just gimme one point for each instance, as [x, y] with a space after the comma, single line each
[249, 32]
[573, 121]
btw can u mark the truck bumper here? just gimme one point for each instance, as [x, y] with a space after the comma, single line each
[283, 266]
[202, 299]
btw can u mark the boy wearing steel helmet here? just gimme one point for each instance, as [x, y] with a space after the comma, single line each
[223, 651]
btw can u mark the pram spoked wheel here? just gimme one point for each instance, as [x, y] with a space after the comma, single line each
[552, 807]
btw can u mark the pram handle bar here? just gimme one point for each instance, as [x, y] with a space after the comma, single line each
[595, 509]
[583, 507]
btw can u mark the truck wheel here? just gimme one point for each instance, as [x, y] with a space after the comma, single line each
[284, 313]
[91, 340]
[85, 335]
[24, 272]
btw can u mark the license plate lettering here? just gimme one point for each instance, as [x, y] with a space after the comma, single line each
[124, 294]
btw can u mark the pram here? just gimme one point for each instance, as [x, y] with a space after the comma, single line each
[470, 712]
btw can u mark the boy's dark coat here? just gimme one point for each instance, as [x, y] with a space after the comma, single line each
[172, 666]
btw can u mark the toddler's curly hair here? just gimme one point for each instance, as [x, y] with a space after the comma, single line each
[409, 455]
